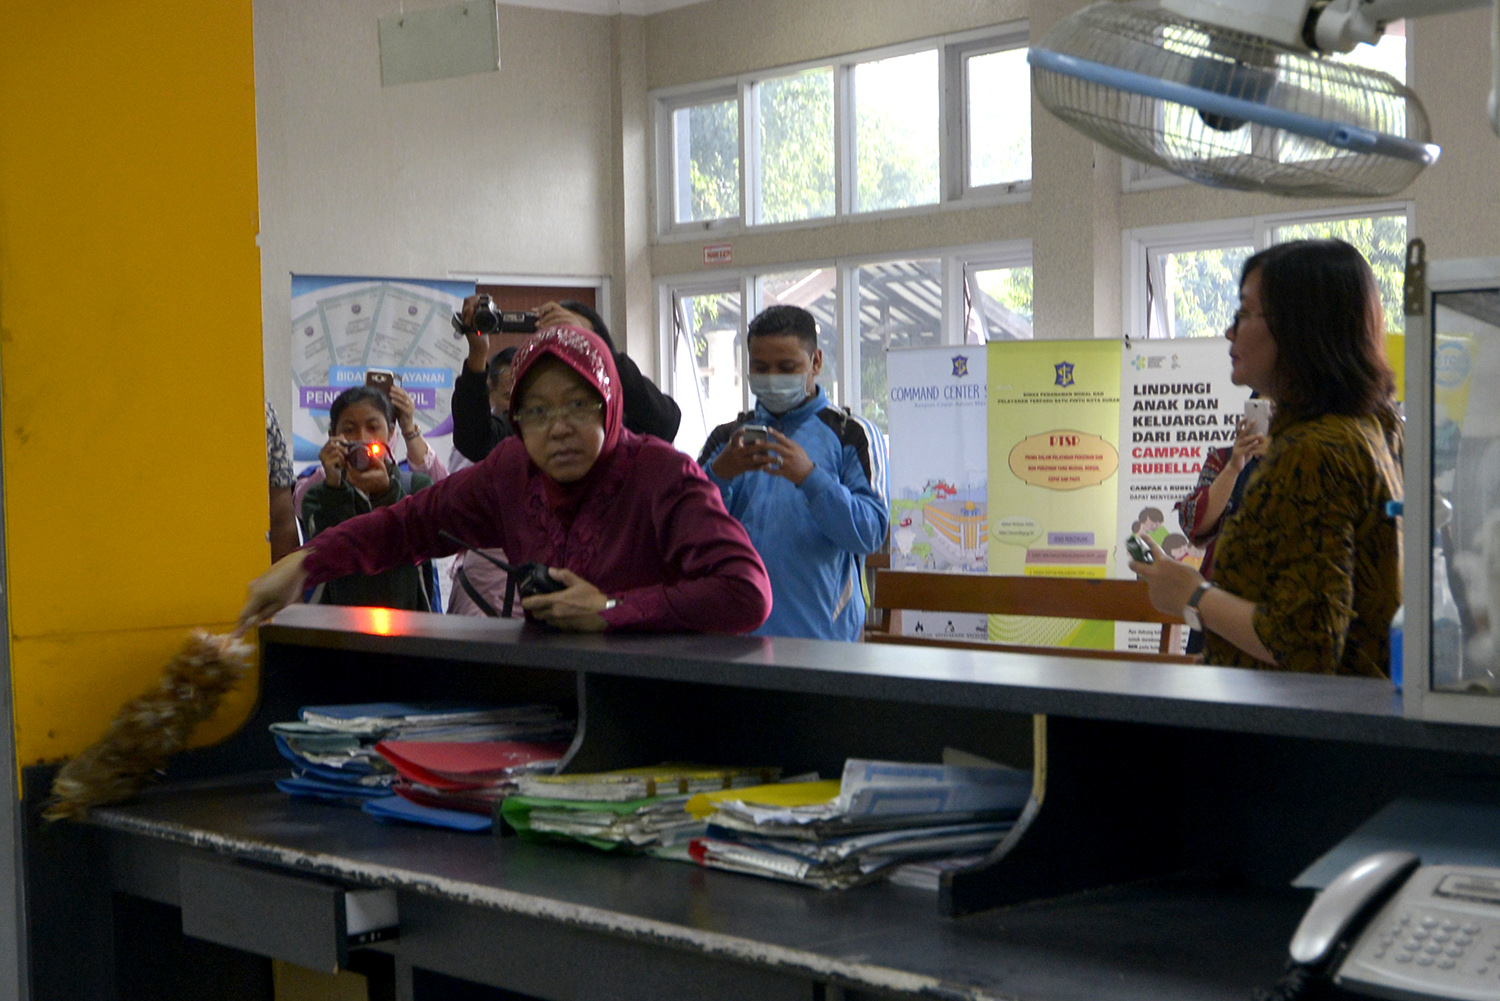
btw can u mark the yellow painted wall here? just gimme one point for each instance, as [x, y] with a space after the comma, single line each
[130, 349]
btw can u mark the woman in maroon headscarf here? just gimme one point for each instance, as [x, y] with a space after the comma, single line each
[629, 524]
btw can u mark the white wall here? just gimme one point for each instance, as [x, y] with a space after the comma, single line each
[503, 173]
[542, 167]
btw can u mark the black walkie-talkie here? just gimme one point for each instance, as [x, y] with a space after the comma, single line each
[528, 578]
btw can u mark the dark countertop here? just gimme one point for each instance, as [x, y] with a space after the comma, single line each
[1159, 941]
[1213, 698]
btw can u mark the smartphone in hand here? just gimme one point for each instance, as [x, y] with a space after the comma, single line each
[1258, 416]
[382, 379]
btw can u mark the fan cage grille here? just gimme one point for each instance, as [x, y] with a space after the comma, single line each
[1251, 156]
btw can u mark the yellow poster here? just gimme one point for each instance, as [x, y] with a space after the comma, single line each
[1054, 420]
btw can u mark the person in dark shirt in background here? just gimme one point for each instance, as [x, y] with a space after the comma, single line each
[647, 409]
[480, 421]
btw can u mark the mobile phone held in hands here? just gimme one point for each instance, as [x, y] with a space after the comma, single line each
[1138, 550]
[382, 379]
[752, 434]
[1258, 416]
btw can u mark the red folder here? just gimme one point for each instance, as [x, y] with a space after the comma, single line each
[458, 765]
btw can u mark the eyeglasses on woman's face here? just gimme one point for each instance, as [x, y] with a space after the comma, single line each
[578, 413]
[1243, 315]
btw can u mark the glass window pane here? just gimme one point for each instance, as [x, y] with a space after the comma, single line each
[1382, 239]
[796, 146]
[1202, 291]
[706, 161]
[999, 117]
[896, 140]
[900, 305]
[815, 290]
[713, 327]
[999, 306]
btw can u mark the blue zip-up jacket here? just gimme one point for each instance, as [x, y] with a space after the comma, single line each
[813, 536]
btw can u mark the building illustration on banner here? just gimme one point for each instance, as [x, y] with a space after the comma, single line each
[941, 528]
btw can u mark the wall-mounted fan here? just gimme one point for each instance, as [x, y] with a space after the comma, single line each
[1238, 96]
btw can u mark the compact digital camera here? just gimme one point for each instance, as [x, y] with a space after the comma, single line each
[361, 455]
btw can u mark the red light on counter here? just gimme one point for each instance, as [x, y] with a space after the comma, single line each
[379, 621]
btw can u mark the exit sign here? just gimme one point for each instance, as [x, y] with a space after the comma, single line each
[717, 253]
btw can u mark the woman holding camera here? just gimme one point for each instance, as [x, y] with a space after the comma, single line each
[630, 528]
[1307, 571]
[359, 476]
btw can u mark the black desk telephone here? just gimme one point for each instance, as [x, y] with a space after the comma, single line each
[1390, 928]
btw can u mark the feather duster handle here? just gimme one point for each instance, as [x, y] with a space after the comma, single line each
[152, 727]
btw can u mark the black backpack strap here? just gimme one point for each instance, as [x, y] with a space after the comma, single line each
[720, 436]
[850, 432]
[478, 599]
[510, 596]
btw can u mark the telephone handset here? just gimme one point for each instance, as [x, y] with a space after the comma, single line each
[1390, 928]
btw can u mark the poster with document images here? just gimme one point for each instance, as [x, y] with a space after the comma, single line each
[342, 326]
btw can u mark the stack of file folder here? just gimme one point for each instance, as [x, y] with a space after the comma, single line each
[639, 808]
[438, 755]
[466, 775]
[838, 834]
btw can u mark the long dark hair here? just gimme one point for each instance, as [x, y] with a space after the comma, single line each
[1322, 307]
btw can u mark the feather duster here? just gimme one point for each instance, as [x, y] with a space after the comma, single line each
[152, 727]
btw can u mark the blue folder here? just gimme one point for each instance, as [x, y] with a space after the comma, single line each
[398, 809]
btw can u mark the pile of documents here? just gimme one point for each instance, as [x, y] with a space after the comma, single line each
[451, 761]
[838, 834]
[466, 775]
[640, 808]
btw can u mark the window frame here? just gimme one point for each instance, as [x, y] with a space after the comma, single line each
[1143, 246]
[664, 161]
[957, 262]
[954, 190]
[955, 114]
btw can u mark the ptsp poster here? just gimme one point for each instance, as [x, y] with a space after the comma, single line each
[1053, 460]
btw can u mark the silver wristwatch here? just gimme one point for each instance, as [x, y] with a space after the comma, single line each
[1190, 612]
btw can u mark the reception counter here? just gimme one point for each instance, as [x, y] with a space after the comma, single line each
[1176, 804]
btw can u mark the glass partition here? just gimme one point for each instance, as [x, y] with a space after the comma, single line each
[1452, 513]
[1466, 491]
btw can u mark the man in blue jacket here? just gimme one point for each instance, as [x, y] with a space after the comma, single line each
[812, 493]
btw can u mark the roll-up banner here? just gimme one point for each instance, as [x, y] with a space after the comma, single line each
[1176, 405]
[939, 490]
[1053, 422]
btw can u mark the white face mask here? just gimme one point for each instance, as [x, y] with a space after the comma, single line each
[779, 393]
